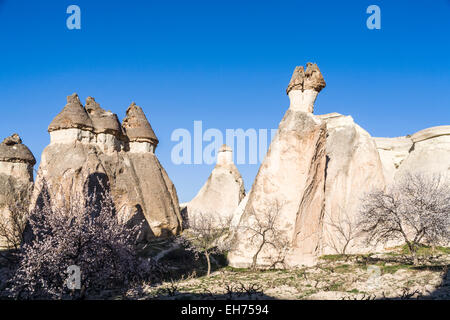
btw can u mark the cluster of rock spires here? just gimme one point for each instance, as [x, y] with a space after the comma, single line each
[91, 151]
[317, 169]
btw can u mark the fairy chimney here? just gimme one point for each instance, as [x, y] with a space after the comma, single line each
[290, 182]
[107, 128]
[221, 194]
[225, 155]
[16, 159]
[137, 128]
[304, 87]
[16, 184]
[72, 123]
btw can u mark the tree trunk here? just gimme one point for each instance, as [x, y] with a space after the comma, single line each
[209, 263]
[412, 249]
[415, 259]
[255, 257]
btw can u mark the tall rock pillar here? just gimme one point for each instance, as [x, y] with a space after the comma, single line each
[16, 184]
[290, 183]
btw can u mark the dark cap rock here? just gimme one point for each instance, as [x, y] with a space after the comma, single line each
[136, 126]
[72, 116]
[12, 150]
[310, 79]
[102, 120]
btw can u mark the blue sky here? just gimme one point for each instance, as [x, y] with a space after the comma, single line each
[226, 63]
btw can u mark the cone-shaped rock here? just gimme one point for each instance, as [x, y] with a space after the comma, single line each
[12, 150]
[72, 116]
[223, 191]
[16, 184]
[137, 127]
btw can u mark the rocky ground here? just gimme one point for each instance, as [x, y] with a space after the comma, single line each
[336, 277]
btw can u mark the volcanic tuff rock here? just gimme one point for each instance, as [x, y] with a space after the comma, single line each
[353, 169]
[290, 185]
[223, 191]
[426, 151]
[16, 179]
[89, 152]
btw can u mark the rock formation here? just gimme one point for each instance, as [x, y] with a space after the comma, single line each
[353, 169]
[154, 190]
[90, 150]
[16, 181]
[290, 181]
[314, 176]
[304, 87]
[426, 151]
[222, 192]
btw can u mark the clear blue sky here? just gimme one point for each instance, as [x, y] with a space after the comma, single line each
[226, 63]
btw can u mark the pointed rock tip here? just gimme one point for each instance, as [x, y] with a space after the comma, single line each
[225, 148]
[93, 106]
[73, 98]
[12, 140]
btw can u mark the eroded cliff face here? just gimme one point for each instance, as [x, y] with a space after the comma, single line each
[16, 184]
[90, 151]
[353, 169]
[426, 151]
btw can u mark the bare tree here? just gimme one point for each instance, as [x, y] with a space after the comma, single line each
[13, 215]
[264, 231]
[343, 230]
[416, 210]
[12, 226]
[207, 234]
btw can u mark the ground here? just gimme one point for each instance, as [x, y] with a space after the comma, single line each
[375, 276]
[389, 275]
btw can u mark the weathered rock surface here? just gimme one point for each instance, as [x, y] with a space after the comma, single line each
[290, 185]
[80, 160]
[353, 169]
[429, 154]
[392, 152]
[223, 191]
[426, 151]
[16, 181]
[237, 214]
